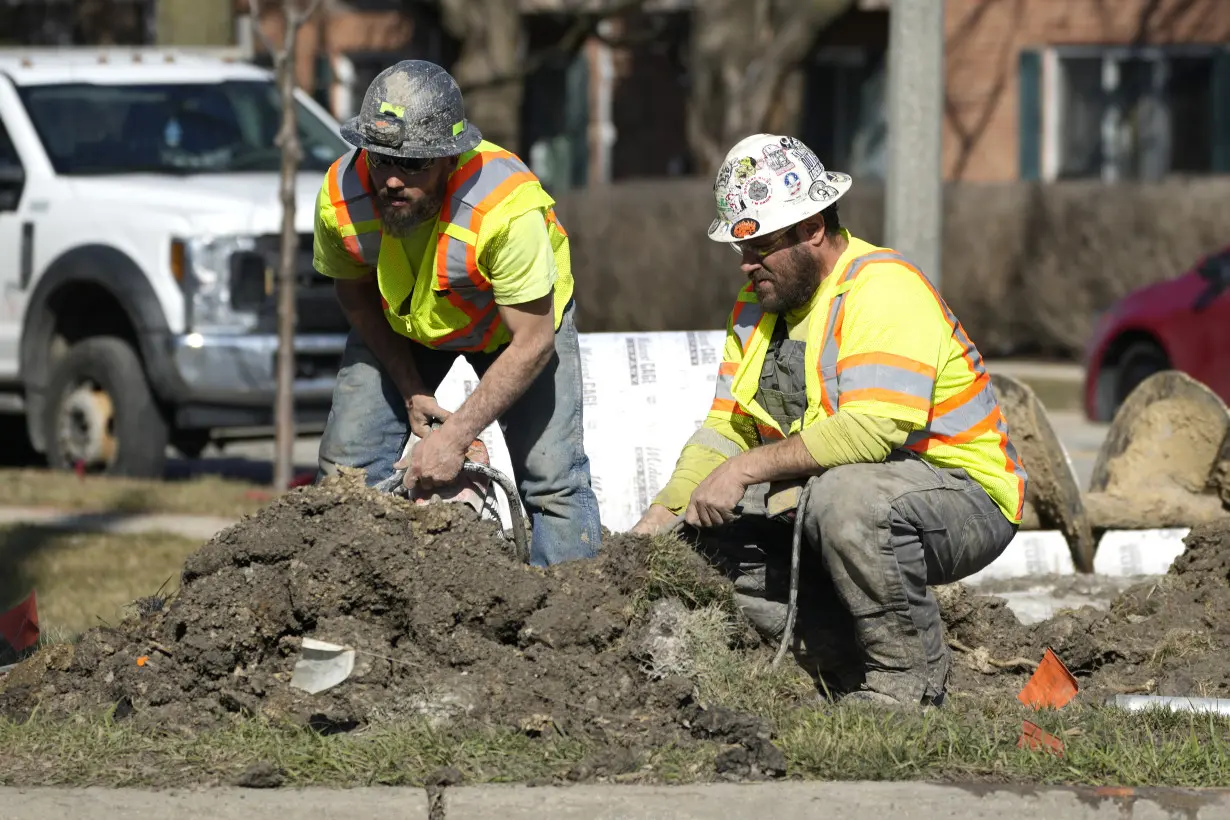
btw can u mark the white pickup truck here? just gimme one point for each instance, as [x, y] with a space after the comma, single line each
[139, 222]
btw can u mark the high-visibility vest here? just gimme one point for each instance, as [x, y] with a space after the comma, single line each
[445, 299]
[966, 429]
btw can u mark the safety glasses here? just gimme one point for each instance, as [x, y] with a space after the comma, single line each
[762, 246]
[411, 165]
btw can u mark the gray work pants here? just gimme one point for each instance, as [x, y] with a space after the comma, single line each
[876, 535]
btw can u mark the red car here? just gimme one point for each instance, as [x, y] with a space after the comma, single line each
[1180, 324]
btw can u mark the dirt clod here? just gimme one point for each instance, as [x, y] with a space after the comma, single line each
[1163, 637]
[263, 775]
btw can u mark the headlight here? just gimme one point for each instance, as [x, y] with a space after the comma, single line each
[209, 279]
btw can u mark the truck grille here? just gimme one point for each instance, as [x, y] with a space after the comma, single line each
[315, 303]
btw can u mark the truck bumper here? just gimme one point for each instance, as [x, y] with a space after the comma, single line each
[231, 380]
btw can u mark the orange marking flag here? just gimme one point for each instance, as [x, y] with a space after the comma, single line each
[19, 626]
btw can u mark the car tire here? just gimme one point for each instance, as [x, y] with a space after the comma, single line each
[102, 414]
[1139, 361]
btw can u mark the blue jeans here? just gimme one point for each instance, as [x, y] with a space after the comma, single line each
[367, 427]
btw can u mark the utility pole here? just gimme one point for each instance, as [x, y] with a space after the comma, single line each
[914, 194]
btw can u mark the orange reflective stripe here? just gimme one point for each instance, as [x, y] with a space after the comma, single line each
[884, 395]
[728, 368]
[768, 433]
[967, 395]
[350, 242]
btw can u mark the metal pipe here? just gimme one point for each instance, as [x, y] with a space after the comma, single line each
[1138, 703]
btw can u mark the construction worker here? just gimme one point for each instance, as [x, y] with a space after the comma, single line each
[847, 377]
[443, 244]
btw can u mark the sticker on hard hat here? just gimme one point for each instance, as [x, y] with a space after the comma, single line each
[777, 159]
[757, 191]
[820, 191]
[793, 184]
[744, 228]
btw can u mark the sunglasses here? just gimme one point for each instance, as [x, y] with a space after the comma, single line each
[411, 165]
[764, 245]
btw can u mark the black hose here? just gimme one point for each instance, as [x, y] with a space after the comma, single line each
[796, 551]
[521, 547]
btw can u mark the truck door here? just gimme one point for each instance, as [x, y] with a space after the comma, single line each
[15, 249]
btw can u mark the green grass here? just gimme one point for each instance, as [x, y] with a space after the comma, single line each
[964, 743]
[206, 495]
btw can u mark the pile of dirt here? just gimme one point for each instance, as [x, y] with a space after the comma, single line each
[445, 624]
[1165, 637]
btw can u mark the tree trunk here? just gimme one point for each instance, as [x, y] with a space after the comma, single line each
[295, 14]
[284, 407]
[488, 69]
[743, 52]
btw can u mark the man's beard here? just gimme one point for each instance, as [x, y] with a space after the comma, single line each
[401, 222]
[794, 282]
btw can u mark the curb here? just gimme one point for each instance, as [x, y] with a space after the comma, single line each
[791, 800]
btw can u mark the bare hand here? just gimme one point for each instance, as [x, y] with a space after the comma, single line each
[656, 519]
[423, 409]
[713, 502]
[436, 460]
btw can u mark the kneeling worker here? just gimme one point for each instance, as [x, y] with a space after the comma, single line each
[443, 244]
[846, 372]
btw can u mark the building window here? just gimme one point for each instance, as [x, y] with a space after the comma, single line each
[1131, 113]
[845, 116]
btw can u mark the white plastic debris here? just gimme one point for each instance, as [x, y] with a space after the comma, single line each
[322, 666]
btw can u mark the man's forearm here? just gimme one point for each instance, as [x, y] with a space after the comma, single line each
[503, 383]
[360, 301]
[779, 461]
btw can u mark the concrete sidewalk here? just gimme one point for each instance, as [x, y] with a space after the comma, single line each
[781, 801]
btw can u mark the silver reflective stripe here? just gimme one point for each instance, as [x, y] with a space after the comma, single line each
[359, 208]
[723, 391]
[959, 419]
[744, 324]
[712, 439]
[886, 377]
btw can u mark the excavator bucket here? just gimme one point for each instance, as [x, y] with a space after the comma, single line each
[1053, 497]
[1166, 458]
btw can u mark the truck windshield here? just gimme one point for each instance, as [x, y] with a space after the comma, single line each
[176, 128]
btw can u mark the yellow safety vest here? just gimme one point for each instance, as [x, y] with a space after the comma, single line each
[964, 429]
[444, 300]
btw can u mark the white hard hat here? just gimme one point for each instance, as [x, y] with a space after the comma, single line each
[768, 182]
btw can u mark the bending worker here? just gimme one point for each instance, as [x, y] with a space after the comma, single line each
[846, 372]
[443, 244]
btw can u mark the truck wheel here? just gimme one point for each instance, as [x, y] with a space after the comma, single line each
[101, 413]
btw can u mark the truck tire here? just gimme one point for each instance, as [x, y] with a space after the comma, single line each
[101, 413]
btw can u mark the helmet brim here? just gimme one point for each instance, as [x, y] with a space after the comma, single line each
[467, 140]
[823, 192]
